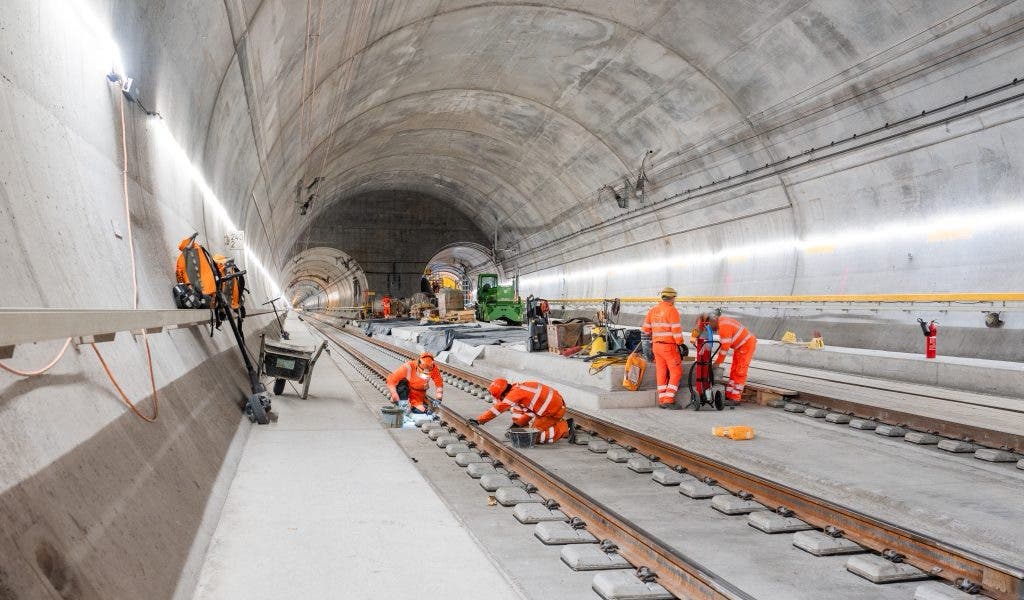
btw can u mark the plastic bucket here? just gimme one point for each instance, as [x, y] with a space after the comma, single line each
[522, 437]
[391, 416]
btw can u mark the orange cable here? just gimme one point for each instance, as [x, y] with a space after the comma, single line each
[49, 366]
[152, 380]
[135, 291]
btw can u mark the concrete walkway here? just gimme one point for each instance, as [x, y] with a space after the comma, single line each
[326, 505]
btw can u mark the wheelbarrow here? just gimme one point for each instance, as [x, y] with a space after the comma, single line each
[287, 361]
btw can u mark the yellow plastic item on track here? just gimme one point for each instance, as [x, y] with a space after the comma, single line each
[735, 432]
[790, 337]
[635, 367]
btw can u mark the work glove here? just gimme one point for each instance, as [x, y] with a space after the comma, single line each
[474, 422]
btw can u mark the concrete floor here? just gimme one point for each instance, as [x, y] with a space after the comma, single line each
[326, 505]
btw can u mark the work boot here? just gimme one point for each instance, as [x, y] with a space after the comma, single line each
[729, 403]
[671, 406]
[572, 430]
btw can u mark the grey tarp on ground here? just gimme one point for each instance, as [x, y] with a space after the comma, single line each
[372, 327]
[438, 339]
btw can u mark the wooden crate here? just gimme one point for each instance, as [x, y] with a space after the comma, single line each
[460, 316]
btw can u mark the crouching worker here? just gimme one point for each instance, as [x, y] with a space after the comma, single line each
[412, 379]
[733, 335]
[533, 404]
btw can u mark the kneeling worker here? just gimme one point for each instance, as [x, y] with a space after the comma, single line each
[530, 401]
[417, 375]
[733, 334]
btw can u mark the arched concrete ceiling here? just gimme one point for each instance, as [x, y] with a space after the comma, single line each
[314, 270]
[515, 111]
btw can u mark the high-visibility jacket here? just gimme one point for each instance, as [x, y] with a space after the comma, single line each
[536, 399]
[733, 335]
[662, 324]
[418, 381]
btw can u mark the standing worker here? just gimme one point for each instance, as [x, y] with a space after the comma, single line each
[732, 334]
[385, 306]
[530, 400]
[417, 375]
[662, 336]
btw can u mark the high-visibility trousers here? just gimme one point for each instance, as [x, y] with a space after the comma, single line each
[552, 427]
[418, 399]
[741, 358]
[669, 371]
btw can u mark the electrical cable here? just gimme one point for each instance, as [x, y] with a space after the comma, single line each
[135, 290]
[35, 372]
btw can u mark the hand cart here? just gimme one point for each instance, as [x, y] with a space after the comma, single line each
[286, 361]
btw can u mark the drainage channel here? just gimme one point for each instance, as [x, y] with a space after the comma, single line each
[632, 562]
[897, 553]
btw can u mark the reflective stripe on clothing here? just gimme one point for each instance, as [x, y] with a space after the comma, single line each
[662, 323]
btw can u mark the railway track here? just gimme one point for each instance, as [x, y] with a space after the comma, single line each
[678, 573]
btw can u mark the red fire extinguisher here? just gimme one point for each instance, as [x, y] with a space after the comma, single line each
[931, 333]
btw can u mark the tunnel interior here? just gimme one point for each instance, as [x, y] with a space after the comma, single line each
[594, 150]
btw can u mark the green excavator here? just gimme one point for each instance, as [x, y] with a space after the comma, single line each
[497, 302]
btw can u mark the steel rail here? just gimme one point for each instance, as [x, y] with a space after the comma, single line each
[953, 563]
[676, 572]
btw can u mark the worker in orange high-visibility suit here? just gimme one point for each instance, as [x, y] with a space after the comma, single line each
[662, 336]
[532, 403]
[385, 306]
[417, 375]
[734, 335]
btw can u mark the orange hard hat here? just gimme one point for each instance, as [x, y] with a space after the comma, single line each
[498, 388]
[426, 360]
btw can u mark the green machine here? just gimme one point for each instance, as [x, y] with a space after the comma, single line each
[495, 301]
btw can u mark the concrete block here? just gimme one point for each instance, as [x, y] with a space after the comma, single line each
[776, 403]
[670, 477]
[839, 418]
[734, 505]
[582, 439]
[588, 557]
[598, 446]
[456, 448]
[1020, 464]
[794, 408]
[421, 423]
[493, 481]
[556, 533]
[994, 455]
[698, 490]
[819, 544]
[890, 431]
[478, 470]
[933, 590]
[639, 464]
[464, 459]
[863, 424]
[436, 432]
[444, 440]
[511, 496]
[816, 413]
[619, 455]
[919, 437]
[876, 569]
[625, 585]
[530, 513]
[957, 446]
[770, 522]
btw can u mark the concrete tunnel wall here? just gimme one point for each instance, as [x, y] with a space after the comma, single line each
[94, 502]
[513, 115]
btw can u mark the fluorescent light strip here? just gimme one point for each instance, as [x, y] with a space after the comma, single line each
[169, 144]
[956, 227]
